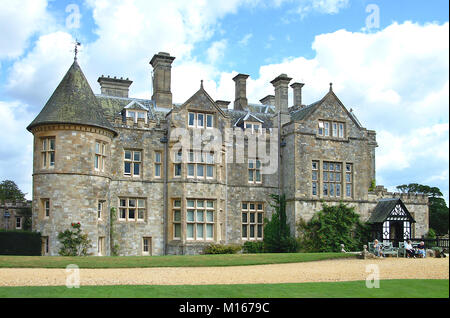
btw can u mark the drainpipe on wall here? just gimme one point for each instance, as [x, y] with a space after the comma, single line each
[279, 154]
[226, 197]
[165, 140]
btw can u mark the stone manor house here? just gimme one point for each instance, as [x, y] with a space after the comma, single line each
[94, 154]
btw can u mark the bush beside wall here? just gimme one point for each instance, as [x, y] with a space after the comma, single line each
[222, 249]
[20, 243]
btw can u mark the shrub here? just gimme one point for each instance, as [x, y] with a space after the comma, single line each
[253, 247]
[74, 243]
[431, 234]
[20, 243]
[331, 227]
[277, 236]
[221, 249]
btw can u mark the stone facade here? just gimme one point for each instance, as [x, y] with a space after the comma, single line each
[13, 215]
[126, 161]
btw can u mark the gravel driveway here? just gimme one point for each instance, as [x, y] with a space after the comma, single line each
[319, 271]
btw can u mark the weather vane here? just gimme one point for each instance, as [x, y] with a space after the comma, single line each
[77, 44]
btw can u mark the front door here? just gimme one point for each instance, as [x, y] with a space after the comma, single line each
[396, 232]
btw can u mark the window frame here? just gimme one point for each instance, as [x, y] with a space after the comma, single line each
[254, 169]
[137, 208]
[47, 152]
[257, 223]
[100, 157]
[329, 179]
[136, 113]
[204, 223]
[197, 159]
[176, 208]
[133, 162]
[196, 118]
[100, 209]
[331, 129]
[158, 164]
[20, 222]
[315, 184]
[349, 184]
[46, 208]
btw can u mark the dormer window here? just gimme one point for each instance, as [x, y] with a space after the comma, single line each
[253, 127]
[136, 114]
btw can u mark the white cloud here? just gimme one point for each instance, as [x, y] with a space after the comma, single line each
[305, 7]
[328, 6]
[16, 147]
[19, 20]
[216, 51]
[245, 39]
[34, 78]
[398, 152]
[396, 81]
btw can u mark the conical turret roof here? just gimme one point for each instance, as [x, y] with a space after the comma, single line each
[72, 102]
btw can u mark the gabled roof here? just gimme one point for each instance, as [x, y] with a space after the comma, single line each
[236, 115]
[72, 102]
[386, 208]
[135, 105]
[260, 108]
[306, 112]
[247, 117]
[202, 91]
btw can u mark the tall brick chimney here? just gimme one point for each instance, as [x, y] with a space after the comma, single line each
[162, 66]
[240, 101]
[280, 83]
[114, 86]
[297, 87]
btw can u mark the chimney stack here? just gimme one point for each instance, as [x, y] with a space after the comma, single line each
[297, 87]
[113, 86]
[240, 102]
[222, 104]
[268, 100]
[280, 83]
[162, 66]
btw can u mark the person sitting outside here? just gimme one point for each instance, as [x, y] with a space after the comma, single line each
[421, 250]
[377, 249]
[409, 250]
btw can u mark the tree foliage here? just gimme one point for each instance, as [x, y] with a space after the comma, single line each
[331, 227]
[415, 188]
[9, 191]
[277, 236]
[438, 210]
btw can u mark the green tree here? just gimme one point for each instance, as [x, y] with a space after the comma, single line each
[438, 209]
[277, 236]
[331, 227]
[9, 191]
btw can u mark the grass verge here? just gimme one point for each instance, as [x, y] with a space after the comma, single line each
[403, 288]
[165, 261]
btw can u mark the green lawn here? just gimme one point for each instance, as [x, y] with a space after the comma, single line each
[165, 261]
[418, 288]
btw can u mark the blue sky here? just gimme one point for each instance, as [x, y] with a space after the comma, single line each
[393, 74]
